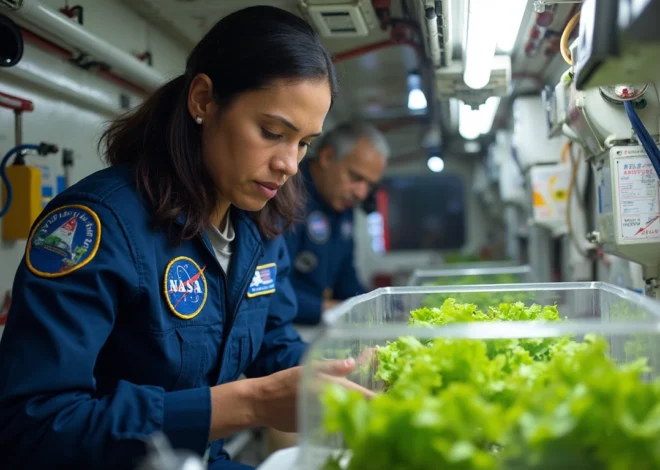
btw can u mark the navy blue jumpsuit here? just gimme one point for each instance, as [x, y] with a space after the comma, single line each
[321, 250]
[115, 333]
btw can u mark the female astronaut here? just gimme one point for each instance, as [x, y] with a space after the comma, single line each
[156, 282]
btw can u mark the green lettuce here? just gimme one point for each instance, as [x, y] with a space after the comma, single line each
[466, 404]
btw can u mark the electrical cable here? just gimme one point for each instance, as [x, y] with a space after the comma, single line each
[563, 45]
[575, 165]
[3, 174]
[643, 135]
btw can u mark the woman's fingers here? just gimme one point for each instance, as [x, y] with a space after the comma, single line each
[368, 356]
[353, 386]
[337, 368]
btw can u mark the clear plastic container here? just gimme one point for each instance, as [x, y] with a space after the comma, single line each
[629, 322]
[478, 273]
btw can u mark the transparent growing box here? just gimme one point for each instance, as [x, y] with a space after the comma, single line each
[552, 376]
[476, 273]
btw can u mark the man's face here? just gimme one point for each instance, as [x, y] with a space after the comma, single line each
[350, 180]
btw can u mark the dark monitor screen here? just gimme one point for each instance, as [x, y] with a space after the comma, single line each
[424, 212]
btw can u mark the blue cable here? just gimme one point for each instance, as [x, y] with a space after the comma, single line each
[3, 174]
[643, 134]
[644, 137]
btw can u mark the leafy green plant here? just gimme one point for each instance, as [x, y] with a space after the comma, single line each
[458, 257]
[481, 299]
[519, 404]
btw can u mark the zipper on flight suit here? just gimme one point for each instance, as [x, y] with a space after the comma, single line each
[229, 313]
[234, 312]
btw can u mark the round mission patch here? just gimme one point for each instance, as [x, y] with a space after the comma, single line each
[65, 240]
[306, 262]
[185, 287]
[318, 227]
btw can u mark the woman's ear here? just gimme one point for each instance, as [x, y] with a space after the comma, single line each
[200, 97]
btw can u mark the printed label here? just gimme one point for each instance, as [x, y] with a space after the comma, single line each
[638, 190]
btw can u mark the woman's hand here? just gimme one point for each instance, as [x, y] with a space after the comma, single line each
[271, 400]
[368, 356]
[329, 303]
[275, 399]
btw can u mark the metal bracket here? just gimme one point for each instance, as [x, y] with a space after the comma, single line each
[540, 5]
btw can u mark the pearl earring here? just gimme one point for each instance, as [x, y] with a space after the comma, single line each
[198, 119]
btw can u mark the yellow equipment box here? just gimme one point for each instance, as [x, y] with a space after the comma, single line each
[26, 204]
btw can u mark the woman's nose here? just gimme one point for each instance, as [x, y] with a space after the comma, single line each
[286, 160]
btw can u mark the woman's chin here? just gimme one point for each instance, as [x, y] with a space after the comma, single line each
[250, 204]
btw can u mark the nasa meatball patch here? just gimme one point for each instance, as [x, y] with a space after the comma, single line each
[263, 281]
[185, 287]
[318, 227]
[65, 240]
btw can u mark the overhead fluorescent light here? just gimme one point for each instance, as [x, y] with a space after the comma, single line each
[467, 126]
[480, 49]
[416, 97]
[507, 23]
[436, 164]
[416, 100]
[472, 147]
[474, 122]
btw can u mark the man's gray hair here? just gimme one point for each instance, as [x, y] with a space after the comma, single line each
[342, 139]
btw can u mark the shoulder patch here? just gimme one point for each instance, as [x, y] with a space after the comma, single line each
[306, 262]
[347, 229]
[263, 281]
[64, 240]
[318, 227]
[185, 287]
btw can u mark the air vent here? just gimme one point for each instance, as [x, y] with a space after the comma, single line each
[334, 21]
[12, 4]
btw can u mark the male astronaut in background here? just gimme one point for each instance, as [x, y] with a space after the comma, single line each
[340, 174]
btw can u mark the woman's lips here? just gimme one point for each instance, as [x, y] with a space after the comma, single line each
[268, 189]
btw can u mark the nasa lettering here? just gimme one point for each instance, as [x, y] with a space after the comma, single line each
[65, 240]
[185, 287]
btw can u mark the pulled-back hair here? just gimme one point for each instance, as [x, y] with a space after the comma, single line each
[247, 50]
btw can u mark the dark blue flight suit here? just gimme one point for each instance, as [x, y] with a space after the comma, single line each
[321, 250]
[115, 333]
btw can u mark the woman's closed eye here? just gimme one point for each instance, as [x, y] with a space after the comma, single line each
[270, 135]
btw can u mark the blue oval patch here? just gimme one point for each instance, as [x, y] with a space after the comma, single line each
[185, 287]
[65, 240]
[318, 227]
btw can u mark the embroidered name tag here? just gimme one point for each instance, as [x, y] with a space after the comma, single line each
[263, 282]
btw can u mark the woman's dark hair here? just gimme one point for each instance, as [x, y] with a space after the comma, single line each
[247, 50]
